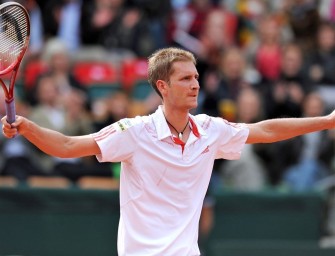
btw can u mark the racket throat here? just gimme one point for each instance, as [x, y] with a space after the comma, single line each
[9, 101]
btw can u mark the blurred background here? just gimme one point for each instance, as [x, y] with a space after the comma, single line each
[86, 67]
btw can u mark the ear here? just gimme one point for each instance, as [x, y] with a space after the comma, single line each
[162, 86]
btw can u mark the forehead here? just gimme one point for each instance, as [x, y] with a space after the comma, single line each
[181, 68]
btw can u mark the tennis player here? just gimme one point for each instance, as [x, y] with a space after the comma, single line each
[167, 157]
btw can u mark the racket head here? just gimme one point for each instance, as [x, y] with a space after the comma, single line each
[14, 35]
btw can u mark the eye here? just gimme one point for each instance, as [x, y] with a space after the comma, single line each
[191, 77]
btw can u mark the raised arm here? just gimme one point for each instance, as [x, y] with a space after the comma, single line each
[285, 128]
[49, 141]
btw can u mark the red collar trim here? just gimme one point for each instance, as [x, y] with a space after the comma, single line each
[178, 141]
[195, 131]
[194, 128]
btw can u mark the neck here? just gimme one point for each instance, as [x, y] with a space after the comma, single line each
[178, 122]
[180, 133]
[177, 119]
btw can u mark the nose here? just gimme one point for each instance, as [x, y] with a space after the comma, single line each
[195, 85]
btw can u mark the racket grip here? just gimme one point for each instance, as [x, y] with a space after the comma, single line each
[10, 110]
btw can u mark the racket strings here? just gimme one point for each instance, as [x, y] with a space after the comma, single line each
[18, 21]
[11, 29]
[17, 18]
[13, 32]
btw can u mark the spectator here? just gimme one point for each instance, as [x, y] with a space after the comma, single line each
[78, 121]
[50, 11]
[220, 89]
[321, 64]
[217, 34]
[268, 51]
[58, 60]
[37, 34]
[110, 110]
[69, 24]
[17, 157]
[287, 93]
[113, 25]
[205, 29]
[64, 113]
[157, 15]
[249, 172]
[248, 13]
[47, 111]
[283, 98]
[316, 151]
[326, 9]
[186, 24]
[304, 18]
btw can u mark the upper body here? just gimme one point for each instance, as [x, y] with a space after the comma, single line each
[163, 181]
[173, 74]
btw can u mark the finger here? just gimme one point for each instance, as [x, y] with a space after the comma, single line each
[4, 120]
[15, 124]
[6, 125]
[9, 131]
[8, 136]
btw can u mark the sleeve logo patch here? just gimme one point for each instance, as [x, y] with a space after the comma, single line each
[122, 125]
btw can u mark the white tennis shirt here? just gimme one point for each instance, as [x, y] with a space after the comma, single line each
[163, 184]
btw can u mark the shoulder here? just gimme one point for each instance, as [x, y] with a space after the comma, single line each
[134, 123]
[205, 121]
[121, 129]
[210, 123]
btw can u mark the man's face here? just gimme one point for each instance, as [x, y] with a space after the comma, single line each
[183, 88]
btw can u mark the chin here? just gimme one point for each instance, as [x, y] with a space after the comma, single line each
[193, 106]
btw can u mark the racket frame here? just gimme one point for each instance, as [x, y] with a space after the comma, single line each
[14, 67]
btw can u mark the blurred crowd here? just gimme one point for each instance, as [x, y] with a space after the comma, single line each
[257, 59]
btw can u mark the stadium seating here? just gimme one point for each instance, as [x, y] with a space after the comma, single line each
[48, 182]
[101, 78]
[134, 77]
[31, 70]
[95, 72]
[8, 181]
[93, 182]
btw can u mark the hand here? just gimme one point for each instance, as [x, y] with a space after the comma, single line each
[10, 130]
[332, 118]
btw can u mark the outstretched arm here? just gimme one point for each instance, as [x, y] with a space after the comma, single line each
[273, 130]
[49, 141]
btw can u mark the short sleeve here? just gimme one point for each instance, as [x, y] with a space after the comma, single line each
[117, 141]
[232, 138]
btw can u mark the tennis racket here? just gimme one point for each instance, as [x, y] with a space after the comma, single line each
[14, 40]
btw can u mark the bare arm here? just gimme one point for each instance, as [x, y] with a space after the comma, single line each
[285, 128]
[49, 141]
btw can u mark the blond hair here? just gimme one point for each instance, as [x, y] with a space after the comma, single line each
[161, 62]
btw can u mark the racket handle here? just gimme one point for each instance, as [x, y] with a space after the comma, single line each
[10, 111]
